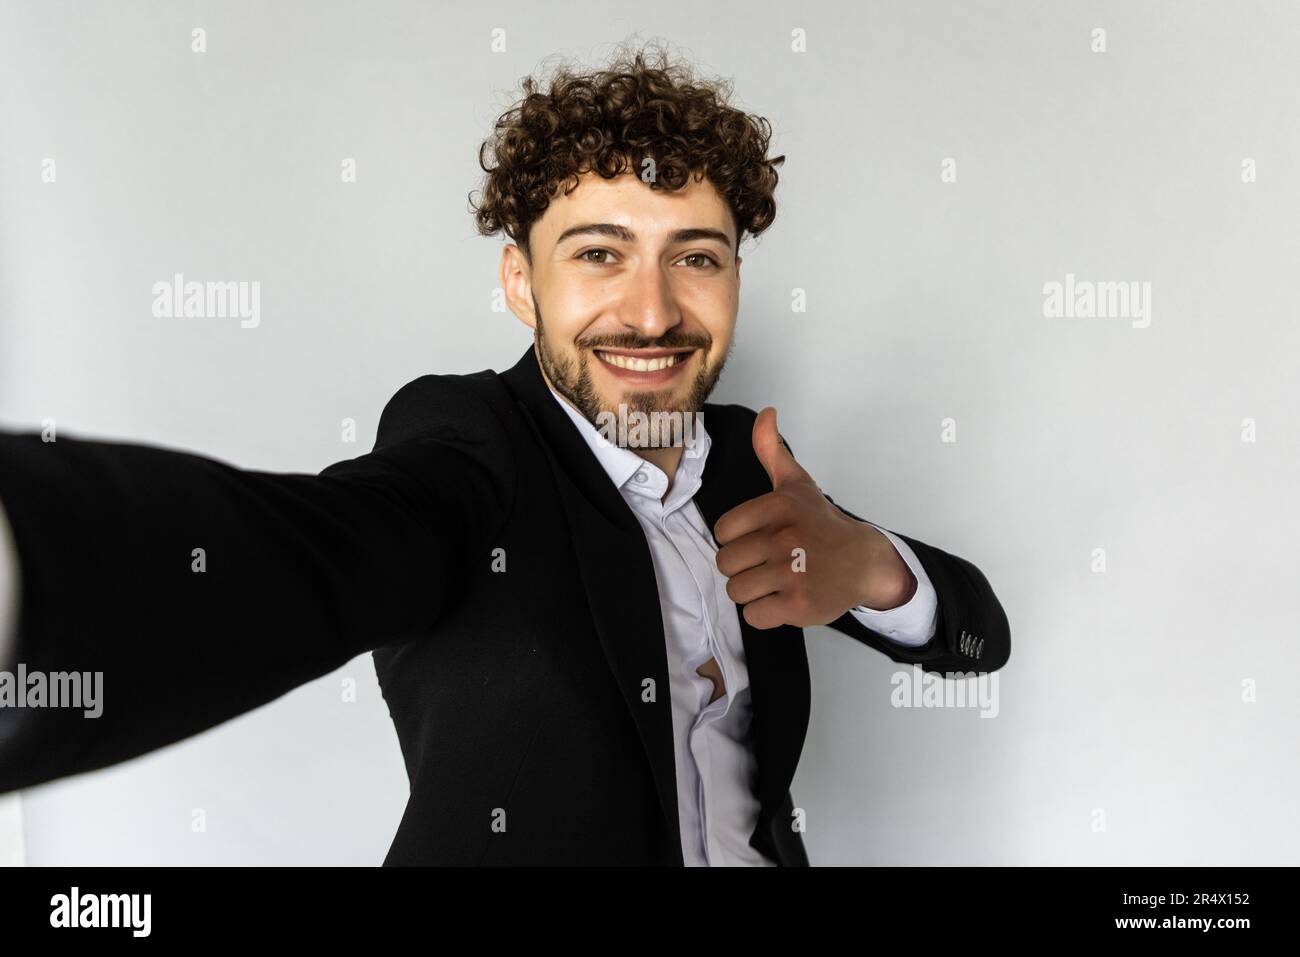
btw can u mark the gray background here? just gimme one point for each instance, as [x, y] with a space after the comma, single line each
[1124, 689]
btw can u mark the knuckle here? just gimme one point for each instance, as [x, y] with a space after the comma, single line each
[787, 540]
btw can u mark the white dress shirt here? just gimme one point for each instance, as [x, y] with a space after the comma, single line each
[716, 769]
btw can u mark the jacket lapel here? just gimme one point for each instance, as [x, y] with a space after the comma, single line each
[776, 658]
[617, 571]
[622, 591]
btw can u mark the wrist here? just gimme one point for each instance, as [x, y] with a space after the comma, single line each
[888, 582]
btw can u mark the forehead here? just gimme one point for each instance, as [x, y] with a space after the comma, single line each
[627, 201]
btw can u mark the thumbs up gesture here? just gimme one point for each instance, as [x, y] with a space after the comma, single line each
[793, 558]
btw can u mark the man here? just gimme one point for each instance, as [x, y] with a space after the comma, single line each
[589, 637]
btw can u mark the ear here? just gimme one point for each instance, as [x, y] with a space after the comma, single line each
[516, 278]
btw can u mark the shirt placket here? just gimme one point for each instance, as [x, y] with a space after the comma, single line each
[694, 558]
[680, 523]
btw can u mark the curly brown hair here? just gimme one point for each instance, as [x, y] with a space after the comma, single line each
[612, 121]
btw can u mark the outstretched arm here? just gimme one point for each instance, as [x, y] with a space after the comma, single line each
[200, 591]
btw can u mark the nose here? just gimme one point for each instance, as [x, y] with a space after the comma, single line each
[649, 308]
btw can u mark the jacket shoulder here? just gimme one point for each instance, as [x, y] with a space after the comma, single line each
[434, 403]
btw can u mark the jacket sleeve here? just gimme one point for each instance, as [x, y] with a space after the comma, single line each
[971, 633]
[297, 573]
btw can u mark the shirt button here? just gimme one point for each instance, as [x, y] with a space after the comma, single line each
[642, 477]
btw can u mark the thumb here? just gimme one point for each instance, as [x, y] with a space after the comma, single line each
[772, 453]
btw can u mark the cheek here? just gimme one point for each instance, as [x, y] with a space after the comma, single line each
[721, 341]
[717, 311]
[574, 314]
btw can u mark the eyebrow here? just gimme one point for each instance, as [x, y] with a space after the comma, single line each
[623, 234]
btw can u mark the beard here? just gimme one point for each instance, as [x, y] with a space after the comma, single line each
[572, 377]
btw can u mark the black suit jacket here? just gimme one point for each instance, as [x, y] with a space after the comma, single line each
[516, 694]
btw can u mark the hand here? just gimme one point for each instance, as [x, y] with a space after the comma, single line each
[793, 558]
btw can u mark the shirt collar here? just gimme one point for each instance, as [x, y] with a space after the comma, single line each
[625, 468]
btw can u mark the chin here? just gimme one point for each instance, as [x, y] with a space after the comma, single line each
[649, 402]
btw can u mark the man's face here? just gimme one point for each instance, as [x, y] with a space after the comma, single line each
[632, 293]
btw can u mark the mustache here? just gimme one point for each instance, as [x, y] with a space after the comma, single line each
[630, 340]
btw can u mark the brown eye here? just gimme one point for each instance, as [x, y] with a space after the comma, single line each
[601, 252]
[707, 260]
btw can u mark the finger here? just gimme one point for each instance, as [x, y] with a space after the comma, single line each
[772, 452]
[769, 612]
[746, 552]
[756, 583]
[768, 509]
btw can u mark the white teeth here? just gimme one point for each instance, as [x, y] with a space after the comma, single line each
[637, 364]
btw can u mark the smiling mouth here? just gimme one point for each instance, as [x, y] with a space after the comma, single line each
[644, 360]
